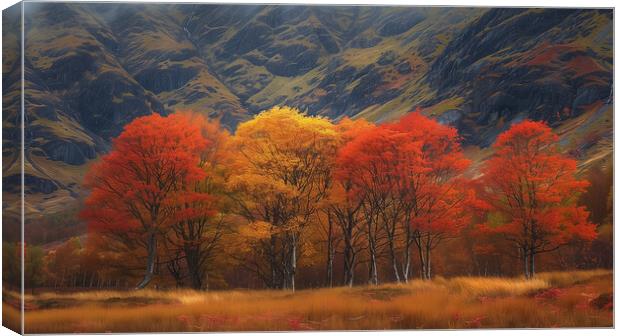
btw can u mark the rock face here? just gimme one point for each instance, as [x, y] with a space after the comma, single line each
[504, 66]
[92, 68]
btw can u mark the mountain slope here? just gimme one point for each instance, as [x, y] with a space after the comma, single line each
[92, 68]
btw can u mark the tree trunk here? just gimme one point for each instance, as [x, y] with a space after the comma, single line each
[293, 265]
[532, 263]
[275, 280]
[394, 261]
[406, 263]
[422, 258]
[193, 264]
[349, 253]
[525, 263]
[330, 251]
[373, 278]
[428, 263]
[150, 265]
[349, 266]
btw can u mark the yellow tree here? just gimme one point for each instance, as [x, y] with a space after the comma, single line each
[280, 176]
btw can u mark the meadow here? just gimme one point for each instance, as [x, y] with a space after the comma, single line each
[551, 300]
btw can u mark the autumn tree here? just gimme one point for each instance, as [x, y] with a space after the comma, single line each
[135, 188]
[532, 193]
[434, 195]
[344, 208]
[200, 216]
[365, 165]
[63, 263]
[407, 172]
[598, 199]
[281, 174]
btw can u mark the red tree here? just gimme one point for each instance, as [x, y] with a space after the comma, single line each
[408, 175]
[136, 188]
[532, 192]
[369, 165]
[436, 193]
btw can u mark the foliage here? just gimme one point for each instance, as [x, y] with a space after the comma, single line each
[281, 174]
[135, 189]
[408, 174]
[289, 194]
[532, 186]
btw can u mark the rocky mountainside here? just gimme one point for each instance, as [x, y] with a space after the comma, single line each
[91, 68]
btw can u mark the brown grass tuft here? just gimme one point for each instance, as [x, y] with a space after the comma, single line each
[559, 299]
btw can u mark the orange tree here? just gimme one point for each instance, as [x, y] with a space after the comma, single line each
[435, 194]
[201, 214]
[532, 193]
[280, 176]
[407, 172]
[136, 187]
[344, 206]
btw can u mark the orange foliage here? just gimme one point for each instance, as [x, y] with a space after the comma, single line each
[135, 188]
[532, 192]
[408, 173]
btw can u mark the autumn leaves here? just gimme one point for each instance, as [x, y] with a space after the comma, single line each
[147, 184]
[384, 191]
[531, 188]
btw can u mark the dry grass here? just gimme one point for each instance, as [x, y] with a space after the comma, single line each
[567, 299]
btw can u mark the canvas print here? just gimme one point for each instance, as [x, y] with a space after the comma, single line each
[225, 167]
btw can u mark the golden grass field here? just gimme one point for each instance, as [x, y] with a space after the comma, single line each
[560, 299]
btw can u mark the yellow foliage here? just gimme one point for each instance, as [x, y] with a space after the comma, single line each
[283, 161]
[257, 230]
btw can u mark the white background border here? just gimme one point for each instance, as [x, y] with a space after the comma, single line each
[480, 3]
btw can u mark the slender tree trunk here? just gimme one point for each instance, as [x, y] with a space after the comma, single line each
[407, 263]
[330, 251]
[532, 263]
[349, 264]
[428, 263]
[373, 277]
[275, 281]
[389, 224]
[150, 266]
[293, 266]
[349, 253]
[525, 263]
[394, 261]
[422, 258]
[372, 250]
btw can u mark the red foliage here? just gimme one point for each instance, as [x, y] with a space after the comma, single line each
[410, 171]
[417, 159]
[135, 185]
[532, 188]
[139, 189]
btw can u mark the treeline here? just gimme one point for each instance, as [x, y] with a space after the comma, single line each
[289, 197]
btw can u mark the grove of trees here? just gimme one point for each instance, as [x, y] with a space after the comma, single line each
[179, 201]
